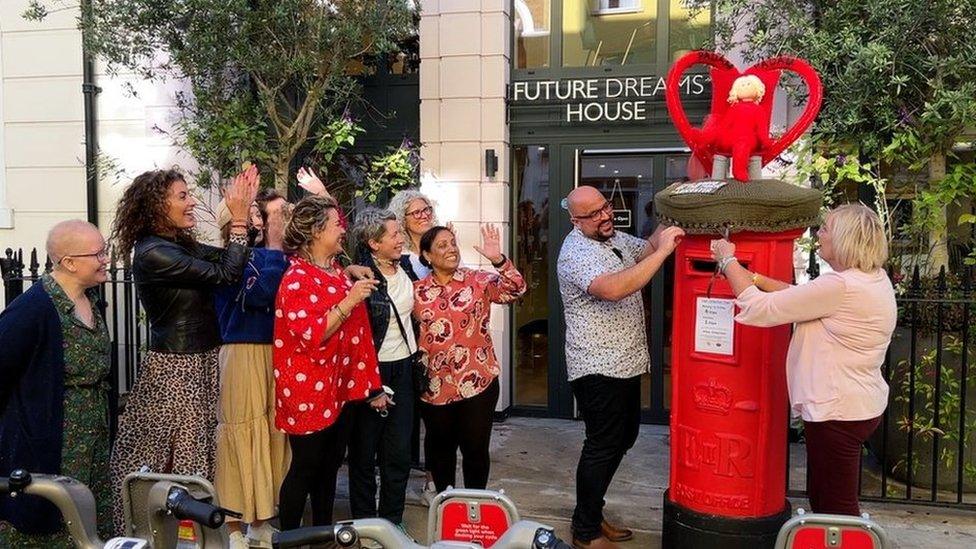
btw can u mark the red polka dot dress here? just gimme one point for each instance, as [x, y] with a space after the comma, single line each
[315, 378]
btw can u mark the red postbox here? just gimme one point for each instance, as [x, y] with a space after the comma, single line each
[729, 404]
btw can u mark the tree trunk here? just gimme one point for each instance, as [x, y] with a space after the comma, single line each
[938, 256]
[281, 175]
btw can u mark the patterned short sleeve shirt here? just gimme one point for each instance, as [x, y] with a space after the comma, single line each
[602, 337]
[454, 329]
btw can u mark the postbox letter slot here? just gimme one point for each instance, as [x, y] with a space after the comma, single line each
[706, 266]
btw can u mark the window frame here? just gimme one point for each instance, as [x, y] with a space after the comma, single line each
[556, 70]
[598, 10]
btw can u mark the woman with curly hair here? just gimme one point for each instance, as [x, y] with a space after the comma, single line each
[415, 214]
[170, 419]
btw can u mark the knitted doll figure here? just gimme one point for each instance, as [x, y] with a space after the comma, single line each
[741, 132]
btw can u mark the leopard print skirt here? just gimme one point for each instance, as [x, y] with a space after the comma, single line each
[170, 421]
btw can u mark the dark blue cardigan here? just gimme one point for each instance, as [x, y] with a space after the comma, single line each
[245, 311]
[32, 403]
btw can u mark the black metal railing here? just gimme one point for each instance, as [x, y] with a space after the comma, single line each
[925, 448]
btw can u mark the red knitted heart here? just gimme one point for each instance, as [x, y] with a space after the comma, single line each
[723, 73]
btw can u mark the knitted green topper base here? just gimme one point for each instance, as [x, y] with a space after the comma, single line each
[762, 205]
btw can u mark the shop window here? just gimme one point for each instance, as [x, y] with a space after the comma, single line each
[532, 247]
[689, 28]
[532, 33]
[609, 32]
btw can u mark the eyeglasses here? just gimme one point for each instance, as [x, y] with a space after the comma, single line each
[100, 255]
[606, 209]
[421, 213]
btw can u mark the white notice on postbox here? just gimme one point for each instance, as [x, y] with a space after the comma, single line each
[714, 326]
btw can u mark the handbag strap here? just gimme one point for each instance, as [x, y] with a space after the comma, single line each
[396, 313]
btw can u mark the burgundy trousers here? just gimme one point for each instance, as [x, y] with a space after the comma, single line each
[834, 463]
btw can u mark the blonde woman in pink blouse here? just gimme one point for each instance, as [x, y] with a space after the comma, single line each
[453, 306]
[844, 321]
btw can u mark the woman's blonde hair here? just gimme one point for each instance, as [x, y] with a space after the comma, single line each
[308, 217]
[858, 237]
[742, 83]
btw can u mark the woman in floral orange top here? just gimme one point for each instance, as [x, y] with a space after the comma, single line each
[453, 306]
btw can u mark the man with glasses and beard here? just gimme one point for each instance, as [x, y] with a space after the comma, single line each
[601, 274]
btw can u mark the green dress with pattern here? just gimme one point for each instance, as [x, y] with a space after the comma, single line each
[85, 450]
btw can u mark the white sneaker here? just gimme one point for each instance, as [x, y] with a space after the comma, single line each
[260, 536]
[430, 491]
[237, 541]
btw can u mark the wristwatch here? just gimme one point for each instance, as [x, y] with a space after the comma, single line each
[500, 263]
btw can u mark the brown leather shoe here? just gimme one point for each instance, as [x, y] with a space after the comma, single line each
[615, 533]
[598, 543]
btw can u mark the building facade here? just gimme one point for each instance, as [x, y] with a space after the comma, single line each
[520, 101]
[562, 94]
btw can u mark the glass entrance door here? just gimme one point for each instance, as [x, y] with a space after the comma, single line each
[543, 175]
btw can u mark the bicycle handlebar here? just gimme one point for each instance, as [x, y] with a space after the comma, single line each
[186, 507]
[346, 535]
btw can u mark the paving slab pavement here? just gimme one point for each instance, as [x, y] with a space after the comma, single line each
[534, 462]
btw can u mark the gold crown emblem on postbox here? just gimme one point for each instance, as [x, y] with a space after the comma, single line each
[713, 397]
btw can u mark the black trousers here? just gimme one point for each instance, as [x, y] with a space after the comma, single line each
[611, 413]
[387, 438]
[315, 461]
[465, 424]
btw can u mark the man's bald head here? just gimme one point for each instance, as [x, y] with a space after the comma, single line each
[584, 199]
[73, 237]
[590, 213]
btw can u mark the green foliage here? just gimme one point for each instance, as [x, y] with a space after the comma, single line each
[889, 67]
[922, 377]
[264, 75]
[335, 136]
[899, 81]
[392, 171]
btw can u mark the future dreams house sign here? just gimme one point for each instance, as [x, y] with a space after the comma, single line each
[603, 99]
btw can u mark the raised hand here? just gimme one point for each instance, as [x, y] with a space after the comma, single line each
[491, 244]
[308, 180]
[240, 193]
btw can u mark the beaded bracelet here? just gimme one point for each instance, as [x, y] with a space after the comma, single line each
[724, 262]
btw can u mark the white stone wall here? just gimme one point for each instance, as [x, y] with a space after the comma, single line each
[464, 71]
[42, 149]
[42, 172]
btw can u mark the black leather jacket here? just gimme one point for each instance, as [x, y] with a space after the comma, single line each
[176, 284]
[378, 303]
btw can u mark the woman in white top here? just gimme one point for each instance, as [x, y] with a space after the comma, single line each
[415, 213]
[844, 321]
[386, 433]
